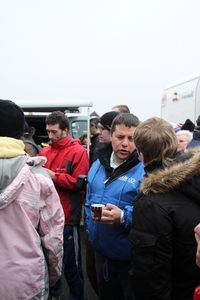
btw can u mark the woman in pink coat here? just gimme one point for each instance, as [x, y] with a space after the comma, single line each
[31, 216]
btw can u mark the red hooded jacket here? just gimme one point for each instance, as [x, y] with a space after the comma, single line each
[68, 159]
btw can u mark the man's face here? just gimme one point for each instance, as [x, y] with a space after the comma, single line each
[182, 143]
[104, 134]
[122, 143]
[55, 133]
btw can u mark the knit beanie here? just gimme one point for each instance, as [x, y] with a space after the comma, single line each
[107, 118]
[11, 119]
[188, 125]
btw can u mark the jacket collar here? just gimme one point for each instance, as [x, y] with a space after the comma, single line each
[63, 143]
[184, 169]
[104, 157]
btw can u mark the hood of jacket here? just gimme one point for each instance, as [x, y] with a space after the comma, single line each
[12, 159]
[16, 175]
[183, 175]
[10, 147]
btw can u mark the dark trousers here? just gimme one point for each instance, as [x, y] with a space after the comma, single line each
[72, 265]
[113, 279]
[90, 265]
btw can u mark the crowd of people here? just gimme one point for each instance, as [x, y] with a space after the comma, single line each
[147, 176]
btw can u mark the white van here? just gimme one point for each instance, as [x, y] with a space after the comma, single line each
[36, 111]
[181, 100]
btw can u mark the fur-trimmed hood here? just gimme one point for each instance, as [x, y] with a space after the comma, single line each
[182, 176]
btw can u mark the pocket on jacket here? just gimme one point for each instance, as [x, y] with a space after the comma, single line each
[143, 250]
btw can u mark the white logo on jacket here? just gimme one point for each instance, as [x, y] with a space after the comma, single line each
[125, 178]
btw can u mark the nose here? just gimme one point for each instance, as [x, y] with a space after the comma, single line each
[50, 135]
[99, 131]
[125, 142]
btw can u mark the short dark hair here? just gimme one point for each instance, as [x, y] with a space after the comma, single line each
[125, 119]
[58, 117]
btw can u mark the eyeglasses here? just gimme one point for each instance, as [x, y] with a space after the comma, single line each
[101, 128]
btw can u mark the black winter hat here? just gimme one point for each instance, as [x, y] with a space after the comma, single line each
[11, 119]
[188, 125]
[107, 118]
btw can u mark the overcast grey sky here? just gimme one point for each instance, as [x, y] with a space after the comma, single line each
[110, 51]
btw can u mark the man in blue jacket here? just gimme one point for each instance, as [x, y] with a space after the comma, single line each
[113, 180]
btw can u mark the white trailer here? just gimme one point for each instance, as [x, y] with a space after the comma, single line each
[36, 110]
[181, 100]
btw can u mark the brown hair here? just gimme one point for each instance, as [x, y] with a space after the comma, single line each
[58, 117]
[156, 140]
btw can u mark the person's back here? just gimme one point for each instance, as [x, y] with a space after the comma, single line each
[32, 218]
[166, 211]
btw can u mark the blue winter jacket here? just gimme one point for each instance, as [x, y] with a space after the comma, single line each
[116, 186]
[195, 142]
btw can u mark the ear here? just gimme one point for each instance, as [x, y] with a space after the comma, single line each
[143, 159]
[66, 130]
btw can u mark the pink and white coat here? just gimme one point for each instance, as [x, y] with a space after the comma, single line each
[31, 231]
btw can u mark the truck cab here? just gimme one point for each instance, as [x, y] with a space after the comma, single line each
[36, 112]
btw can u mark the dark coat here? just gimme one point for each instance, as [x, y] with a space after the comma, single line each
[163, 246]
[95, 145]
[195, 140]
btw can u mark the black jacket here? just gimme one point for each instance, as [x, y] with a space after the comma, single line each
[163, 246]
[95, 145]
[195, 142]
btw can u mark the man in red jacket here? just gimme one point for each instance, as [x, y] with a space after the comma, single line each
[66, 160]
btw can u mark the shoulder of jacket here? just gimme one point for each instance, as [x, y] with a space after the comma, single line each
[161, 181]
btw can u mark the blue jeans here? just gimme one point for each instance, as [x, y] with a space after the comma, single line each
[113, 278]
[72, 265]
